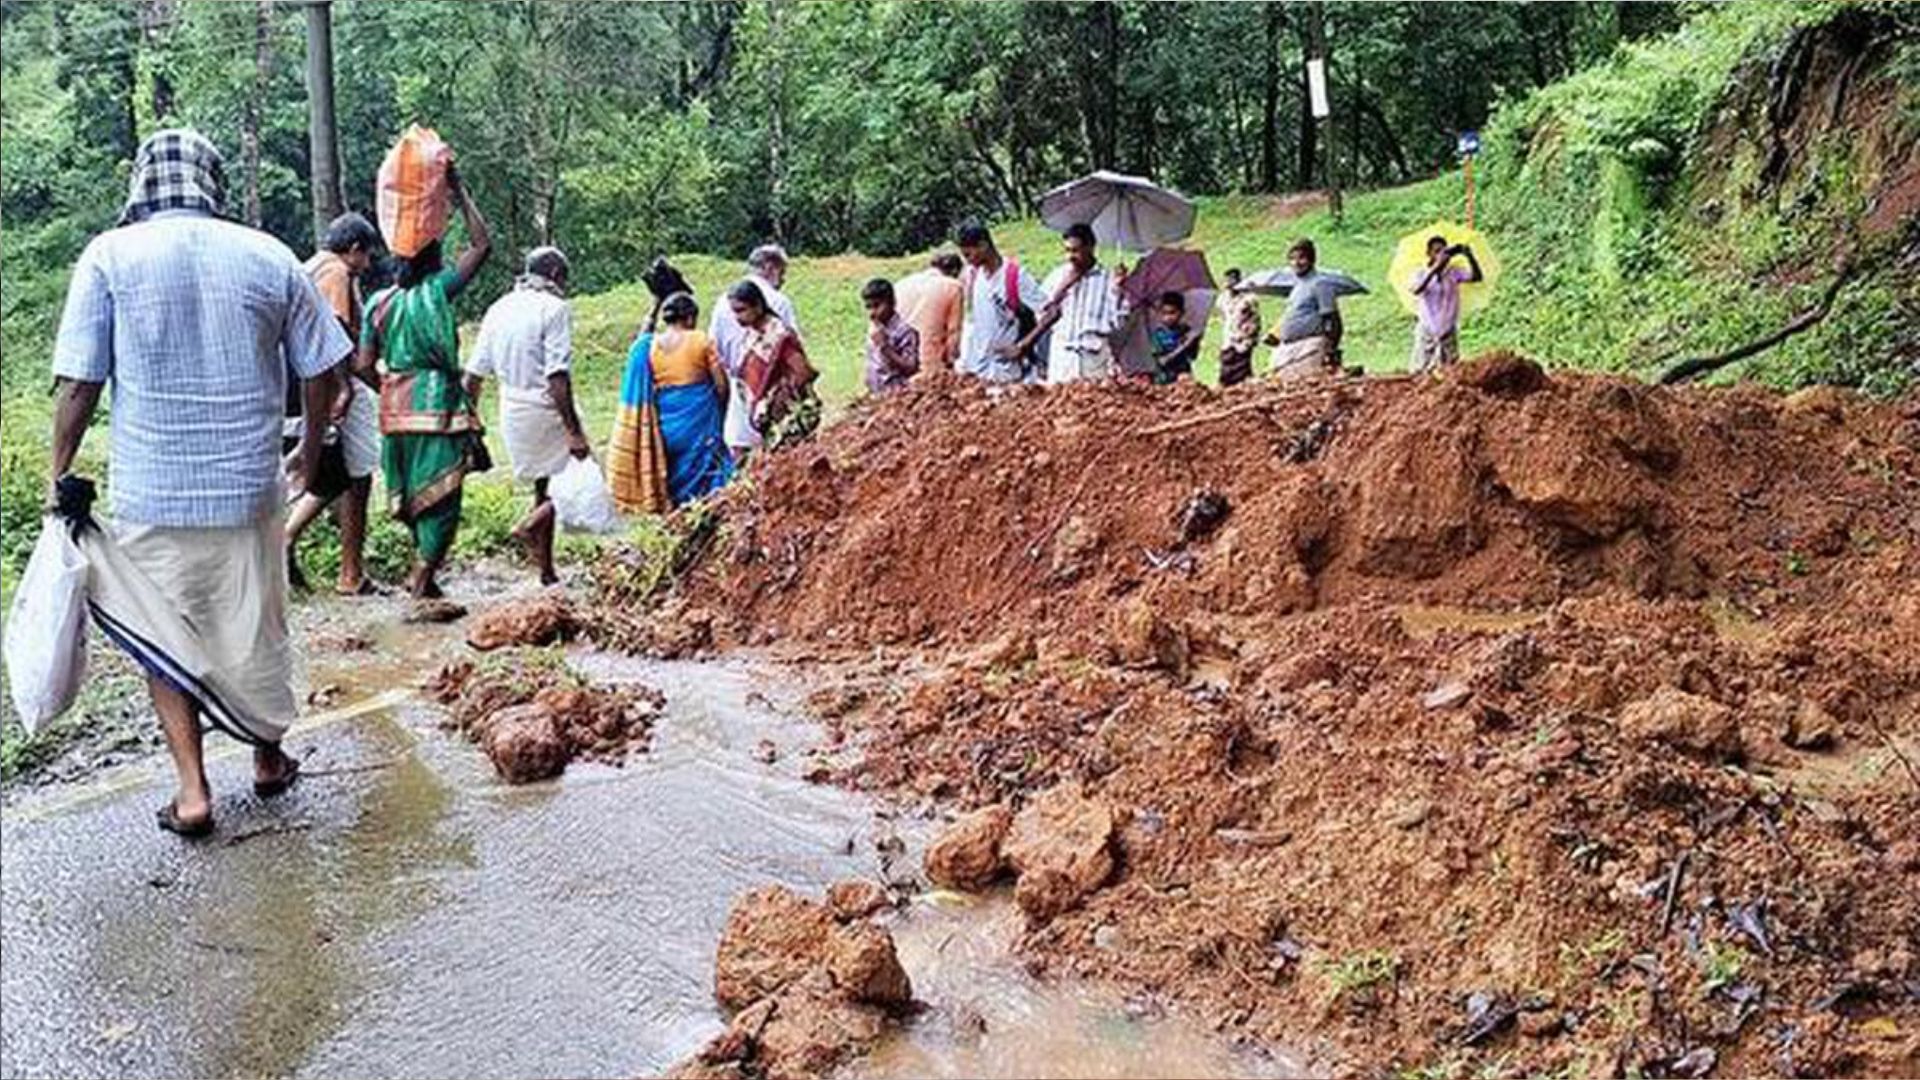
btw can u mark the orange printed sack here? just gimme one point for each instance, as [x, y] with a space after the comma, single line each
[413, 199]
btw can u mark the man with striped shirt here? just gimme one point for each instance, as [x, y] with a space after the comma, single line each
[196, 322]
[1085, 308]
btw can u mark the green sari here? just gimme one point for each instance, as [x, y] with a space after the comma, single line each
[429, 425]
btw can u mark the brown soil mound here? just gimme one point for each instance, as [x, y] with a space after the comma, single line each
[532, 715]
[948, 514]
[536, 620]
[1495, 723]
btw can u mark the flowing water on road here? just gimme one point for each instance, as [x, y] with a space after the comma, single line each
[402, 913]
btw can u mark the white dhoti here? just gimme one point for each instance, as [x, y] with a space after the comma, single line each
[206, 610]
[536, 439]
[360, 431]
[1067, 364]
[1304, 358]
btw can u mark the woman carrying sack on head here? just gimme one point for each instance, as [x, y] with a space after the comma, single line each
[433, 437]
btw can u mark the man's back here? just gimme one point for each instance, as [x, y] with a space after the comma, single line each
[930, 302]
[188, 316]
[526, 336]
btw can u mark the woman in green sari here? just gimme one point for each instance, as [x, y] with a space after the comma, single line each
[433, 437]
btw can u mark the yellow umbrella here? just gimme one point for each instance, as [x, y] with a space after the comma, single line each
[1410, 258]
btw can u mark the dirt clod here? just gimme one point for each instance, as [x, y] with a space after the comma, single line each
[1061, 846]
[967, 855]
[536, 620]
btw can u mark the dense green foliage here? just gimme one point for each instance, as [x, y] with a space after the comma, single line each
[1660, 211]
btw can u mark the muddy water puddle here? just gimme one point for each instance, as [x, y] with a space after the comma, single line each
[986, 1017]
[402, 913]
[1425, 622]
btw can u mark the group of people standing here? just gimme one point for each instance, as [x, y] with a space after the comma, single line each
[241, 374]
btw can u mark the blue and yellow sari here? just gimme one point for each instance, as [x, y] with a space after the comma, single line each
[668, 444]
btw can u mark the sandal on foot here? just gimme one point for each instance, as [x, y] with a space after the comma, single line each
[267, 789]
[169, 819]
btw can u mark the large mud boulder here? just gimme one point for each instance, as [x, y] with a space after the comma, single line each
[534, 620]
[774, 938]
[525, 743]
[1687, 722]
[967, 855]
[1061, 845]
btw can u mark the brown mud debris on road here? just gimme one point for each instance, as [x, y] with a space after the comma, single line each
[535, 620]
[811, 985]
[1631, 798]
[532, 715]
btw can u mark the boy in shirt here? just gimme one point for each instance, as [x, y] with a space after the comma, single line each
[893, 347]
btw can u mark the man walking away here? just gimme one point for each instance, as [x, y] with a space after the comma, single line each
[767, 270]
[933, 303]
[1085, 308]
[189, 316]
[1308, 343]
[526, 341]
[1240, 322]
[1436, 337]
[344, 256]
[893, 347]
[1003, 303]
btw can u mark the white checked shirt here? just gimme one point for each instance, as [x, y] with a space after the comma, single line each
[189, 316]
[1090, 313]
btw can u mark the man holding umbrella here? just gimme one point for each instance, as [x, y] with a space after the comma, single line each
[1308, 341]
[1436, 329]
[1086, 305]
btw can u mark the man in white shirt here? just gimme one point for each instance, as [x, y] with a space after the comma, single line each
[526, 341]
[766, 268]
[1003, 301]
[1085, 309]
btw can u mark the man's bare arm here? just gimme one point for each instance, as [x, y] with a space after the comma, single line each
[560, 389]
[317, 396]
[73, 407]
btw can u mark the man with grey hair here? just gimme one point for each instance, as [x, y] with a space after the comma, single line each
[767, 269]
[198, 322]
[526, 341]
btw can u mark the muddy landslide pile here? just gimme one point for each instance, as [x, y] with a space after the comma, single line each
[1494, 724]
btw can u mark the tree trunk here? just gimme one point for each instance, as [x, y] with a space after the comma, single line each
[155, 16]
[323, 143]
[1309, 129]
[777, 127]
[250, 133]
[1270, 114]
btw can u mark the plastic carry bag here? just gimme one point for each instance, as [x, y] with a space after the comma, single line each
[582, 502]
[413, 198]
[46, 646]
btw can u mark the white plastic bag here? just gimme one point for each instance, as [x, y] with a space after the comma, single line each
[582, 502]
[46, 646]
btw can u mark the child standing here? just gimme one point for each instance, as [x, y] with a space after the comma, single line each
[893, 347]
[1175, 344]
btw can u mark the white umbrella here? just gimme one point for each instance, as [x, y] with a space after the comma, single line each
[1280, 282]
[1130, 212]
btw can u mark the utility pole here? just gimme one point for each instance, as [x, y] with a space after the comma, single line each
[323, 142]
[1319, 91]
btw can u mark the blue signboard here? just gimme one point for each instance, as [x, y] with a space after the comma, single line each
[1469, 144]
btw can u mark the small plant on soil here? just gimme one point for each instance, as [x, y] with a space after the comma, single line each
[1721, 964]
[1357, 976]
[1446, 1068]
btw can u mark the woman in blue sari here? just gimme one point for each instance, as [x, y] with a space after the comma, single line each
[668, 444]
